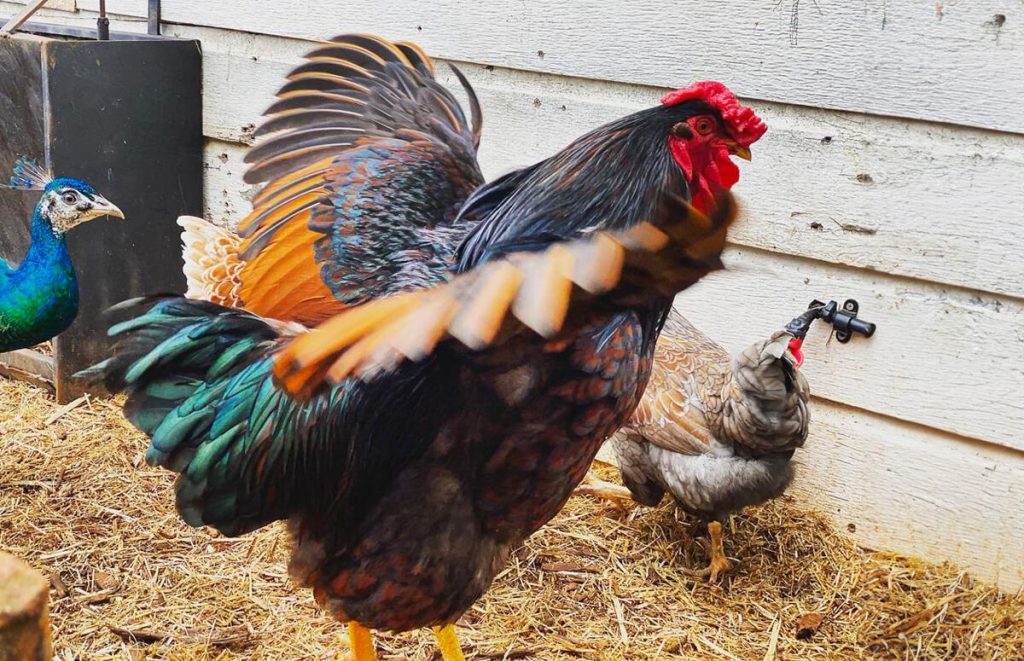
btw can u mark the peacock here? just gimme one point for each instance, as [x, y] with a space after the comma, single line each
[39, 298]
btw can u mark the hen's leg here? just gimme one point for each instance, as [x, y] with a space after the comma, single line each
[719, 563]
[360, 639]
[607, 490]
[448, 643]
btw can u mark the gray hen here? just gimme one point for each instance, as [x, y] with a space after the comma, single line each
[714, 431]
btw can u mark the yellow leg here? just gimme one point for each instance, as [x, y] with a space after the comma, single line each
[597, 487]
[719, 563]
[448, 642]
[360, 639]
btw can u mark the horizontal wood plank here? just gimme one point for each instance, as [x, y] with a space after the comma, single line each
[135, 8]
[898, 487]
[910, 490]
[29, 360]
[951, 62]
[906, 198]
[227, 199]
[28, 365]
[55, 5]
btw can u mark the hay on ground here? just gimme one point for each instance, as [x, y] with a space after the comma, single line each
[131, 581]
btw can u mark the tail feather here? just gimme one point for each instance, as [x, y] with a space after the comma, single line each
[212, 263]
[178, 360]
[199, 382]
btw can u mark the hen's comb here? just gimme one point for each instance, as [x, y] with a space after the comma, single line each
[29, 175]
[539, 289]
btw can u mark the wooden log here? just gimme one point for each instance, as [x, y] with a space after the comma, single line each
[24, 612]
[28, 365]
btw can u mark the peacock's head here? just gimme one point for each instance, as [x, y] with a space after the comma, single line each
[66, 202]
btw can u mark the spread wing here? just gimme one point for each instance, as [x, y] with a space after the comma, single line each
[366, 160]
[552, 292]
[683, 397]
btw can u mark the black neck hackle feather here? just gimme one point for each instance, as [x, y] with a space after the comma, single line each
[610, 179]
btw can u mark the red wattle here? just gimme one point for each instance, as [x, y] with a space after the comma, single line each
[728, 172]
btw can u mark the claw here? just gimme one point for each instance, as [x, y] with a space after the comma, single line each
[719, 563]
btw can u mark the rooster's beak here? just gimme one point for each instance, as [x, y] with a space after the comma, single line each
[737, 150]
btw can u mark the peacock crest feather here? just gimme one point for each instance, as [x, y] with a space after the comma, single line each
[29, 175]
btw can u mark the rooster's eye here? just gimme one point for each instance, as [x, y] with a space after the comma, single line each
[704, 125]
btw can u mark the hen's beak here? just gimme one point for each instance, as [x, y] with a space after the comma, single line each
[736, 150]
[104, 207]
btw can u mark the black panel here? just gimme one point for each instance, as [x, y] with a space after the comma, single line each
[21, 134]
[126, 116]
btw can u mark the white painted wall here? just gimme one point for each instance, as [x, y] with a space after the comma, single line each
[893, 172]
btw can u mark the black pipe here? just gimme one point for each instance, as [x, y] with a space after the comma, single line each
[154, 17]
[103, 23]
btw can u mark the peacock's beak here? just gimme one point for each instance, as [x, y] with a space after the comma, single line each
[104, 207]
[738, 150]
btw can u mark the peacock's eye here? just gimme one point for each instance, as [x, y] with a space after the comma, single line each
[70, 197]
[704, 125]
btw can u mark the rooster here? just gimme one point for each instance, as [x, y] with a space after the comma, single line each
[405, 491]
[716, 432]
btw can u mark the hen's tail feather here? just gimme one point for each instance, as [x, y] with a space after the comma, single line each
[212, 264]
[539, 288]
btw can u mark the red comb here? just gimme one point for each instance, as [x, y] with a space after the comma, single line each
[743, 124]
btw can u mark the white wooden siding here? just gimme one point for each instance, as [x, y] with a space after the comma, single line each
[960, 63]
[893, 172]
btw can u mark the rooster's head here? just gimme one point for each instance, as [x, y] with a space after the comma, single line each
[708, 126]
[617, 175]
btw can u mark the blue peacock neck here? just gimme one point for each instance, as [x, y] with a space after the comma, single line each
[40, 298]
[46, 244]
[48, 259]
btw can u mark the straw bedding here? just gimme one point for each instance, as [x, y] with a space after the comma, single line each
[130, 581]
